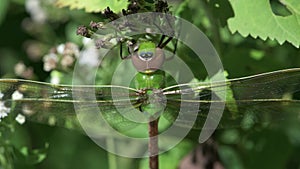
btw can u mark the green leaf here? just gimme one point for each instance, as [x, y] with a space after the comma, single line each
[255, 17]
[94, 5]
[229, 93]
[34, 156]
[3, 10]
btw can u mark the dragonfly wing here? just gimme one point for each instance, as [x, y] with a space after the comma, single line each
[62, 105]
[274, 95]
[248, 114]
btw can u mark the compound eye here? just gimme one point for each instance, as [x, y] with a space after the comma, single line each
[146, 56]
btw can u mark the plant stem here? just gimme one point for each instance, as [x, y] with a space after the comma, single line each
[112, 160]
[153, 144]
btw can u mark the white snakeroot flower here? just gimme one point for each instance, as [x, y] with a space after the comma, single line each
[89, 57]
[71, 49]
[67, 61]
[20, 68]
[1, 95]
[20, 119]
[50, 61]
[17, 95]
[60, 49]
[34, 8]
[3, 110]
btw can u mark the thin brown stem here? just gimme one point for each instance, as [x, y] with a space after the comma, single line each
[153, 144]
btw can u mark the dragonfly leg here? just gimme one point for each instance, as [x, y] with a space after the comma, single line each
[130, 50]
[174, 50]
[165, 43]
[121, 52]
[161, 41]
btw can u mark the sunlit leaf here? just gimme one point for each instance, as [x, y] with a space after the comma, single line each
[94, 5]
[36, 155]
[255, 18]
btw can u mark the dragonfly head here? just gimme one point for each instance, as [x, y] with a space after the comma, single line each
[148, 58]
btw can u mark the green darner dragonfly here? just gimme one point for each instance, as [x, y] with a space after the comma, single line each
[273, 93]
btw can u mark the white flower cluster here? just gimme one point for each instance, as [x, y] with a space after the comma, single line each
[62, 57]
[20, 119]
[34, 8]
[89, 56]
[50, 61]
[23, 71]
[4, 111]
[17, 95]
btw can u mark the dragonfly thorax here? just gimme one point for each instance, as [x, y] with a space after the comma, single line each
[155, 80]
[153, 101]
[154, 104]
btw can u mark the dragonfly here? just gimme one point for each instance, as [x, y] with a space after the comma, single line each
[267, 97]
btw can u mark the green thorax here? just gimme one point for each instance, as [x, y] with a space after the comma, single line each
[154, 80]
[151, 83]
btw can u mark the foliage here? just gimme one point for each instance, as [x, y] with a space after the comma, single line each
[93, 5]
[256, 18]
[3, 8]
